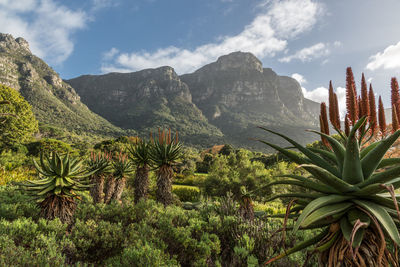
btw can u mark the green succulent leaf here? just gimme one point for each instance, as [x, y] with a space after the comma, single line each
[318, 203]
[382, 216]
[325, 212]
[372, 160]
[315, 159]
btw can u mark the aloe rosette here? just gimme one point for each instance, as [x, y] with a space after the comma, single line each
[351, 198]
[63, 179]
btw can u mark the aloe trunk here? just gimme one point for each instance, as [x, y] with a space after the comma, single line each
[110, 189]
[141, 182]
[119, 188]
[58, 207]
[368, 254]
[164, 184]
[97, 190]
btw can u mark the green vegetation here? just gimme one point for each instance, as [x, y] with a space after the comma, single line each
[20, 124]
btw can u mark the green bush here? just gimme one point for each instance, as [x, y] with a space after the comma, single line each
[96, 241]
[186, 193]
[48, 145]
[142, 253]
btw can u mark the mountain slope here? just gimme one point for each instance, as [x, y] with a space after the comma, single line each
[237, 94]
[222, 102]
[145, 101]
[53, 101]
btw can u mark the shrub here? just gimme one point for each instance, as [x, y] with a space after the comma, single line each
[186, 193]
[20, 128]
[142, 253]
[96, 241]
[47, 145]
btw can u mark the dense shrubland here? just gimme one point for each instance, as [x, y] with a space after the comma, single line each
[153, 202]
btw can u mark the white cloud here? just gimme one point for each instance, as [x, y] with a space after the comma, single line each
[300, 78]
[388, 59]
[266, 35]
[45, 24]
[290, 18]
[110, 54]
[370, 79]
[309, 53]
[321, 94]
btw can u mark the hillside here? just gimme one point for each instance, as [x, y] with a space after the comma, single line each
[222, 102]
[146, 100]
[54, 102]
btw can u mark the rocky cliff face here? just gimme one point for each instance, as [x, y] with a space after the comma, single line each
[221, 102]
[53, 101]
[145, 101]
[237, 94]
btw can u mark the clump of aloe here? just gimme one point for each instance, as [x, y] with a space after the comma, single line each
[352, 185]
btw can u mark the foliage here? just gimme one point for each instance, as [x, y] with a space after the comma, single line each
[63, 181]
[347, 198]
[47, 145]
[18, 128]
[186, 193]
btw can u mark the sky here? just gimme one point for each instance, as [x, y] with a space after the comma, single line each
[312, 41]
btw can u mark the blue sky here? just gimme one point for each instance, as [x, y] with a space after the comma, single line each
[310, 40]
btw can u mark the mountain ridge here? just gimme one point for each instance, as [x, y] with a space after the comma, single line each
[232, 95]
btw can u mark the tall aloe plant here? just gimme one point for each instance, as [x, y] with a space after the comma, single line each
[102, 163]
[164, 154]
[63, 179]
[352, 197]
[122, 168]
[139, 154]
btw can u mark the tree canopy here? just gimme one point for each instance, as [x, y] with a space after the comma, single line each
[20, 127]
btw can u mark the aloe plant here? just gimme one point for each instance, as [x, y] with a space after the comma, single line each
[352, 195]
[122, 168]
[62, 181]
[102, 163]
[164, 154]
[139, 154]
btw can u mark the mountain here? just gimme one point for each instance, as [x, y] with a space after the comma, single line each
[237, 94]
[222, 102]
[145, 101]
[54, 102]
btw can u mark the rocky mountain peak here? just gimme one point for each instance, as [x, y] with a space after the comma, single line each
[7, 42]
[238, 60]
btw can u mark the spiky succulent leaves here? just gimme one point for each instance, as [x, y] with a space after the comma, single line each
[352, 170]
[64, 178]
[102, 163]
[139, 154]
[373, 158]
[315, 158]
[333, 201]
[122, 168]
[165, 153]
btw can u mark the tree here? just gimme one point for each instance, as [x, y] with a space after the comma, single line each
[22, 125]
[64, 179]
[139, 155]
[164, 154]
